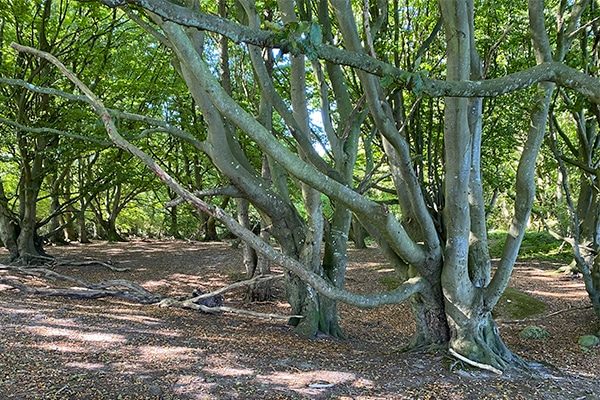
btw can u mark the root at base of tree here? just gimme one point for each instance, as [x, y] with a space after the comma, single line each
[475, 364]
[131, 291]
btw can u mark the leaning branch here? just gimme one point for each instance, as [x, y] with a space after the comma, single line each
[230, 191]
[170, 129]
[400, 294]
[416, 81]
[225, 309]
[53, 131]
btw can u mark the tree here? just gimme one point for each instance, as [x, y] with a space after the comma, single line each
[446, 267]
[33, 123]
[575, 142]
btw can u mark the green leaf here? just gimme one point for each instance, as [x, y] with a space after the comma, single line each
[387, 81]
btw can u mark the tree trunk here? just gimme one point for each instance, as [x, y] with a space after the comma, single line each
[8, 226]
[173, 224]
[83, 233]
[57, 236]
[110, 230]
[359, 234]
[29, 244]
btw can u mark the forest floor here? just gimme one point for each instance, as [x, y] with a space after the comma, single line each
[57, 348]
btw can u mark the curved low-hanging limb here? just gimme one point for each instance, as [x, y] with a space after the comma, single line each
[402, 293]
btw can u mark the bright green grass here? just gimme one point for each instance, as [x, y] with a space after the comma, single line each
[516, 304]
[536, 246]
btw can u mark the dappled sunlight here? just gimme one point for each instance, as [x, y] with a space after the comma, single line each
[62, 347]
[96, 337]
[129, 367]
[86, 365]
[193, 387]
[550, 284]
[5, 287]
[140, 319]
[364, 265]
[310, 383]
[151, 354]
[178, 280]
[563, 294]
[17, 310]
[229, 371]
[186, 279]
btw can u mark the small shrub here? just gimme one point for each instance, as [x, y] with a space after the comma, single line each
[534, 332]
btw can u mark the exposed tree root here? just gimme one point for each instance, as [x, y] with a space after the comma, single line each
[75, 263]
[131, 291]
[475, 363]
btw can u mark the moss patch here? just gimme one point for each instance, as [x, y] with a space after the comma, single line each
[588, 341]
[516, 304]
[390, 282]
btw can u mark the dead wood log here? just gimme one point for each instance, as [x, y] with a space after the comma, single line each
[95, 291]
[237, 285]
[171, 302]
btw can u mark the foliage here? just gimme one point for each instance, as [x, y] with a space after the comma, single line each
[588, 341]
[536, 246]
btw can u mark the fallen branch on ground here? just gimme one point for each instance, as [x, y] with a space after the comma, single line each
[236, 285]
[171, 302]
[114, 288]
[134, 292]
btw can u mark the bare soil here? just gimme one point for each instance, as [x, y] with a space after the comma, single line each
[57, 348]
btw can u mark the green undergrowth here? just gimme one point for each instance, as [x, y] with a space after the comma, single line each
[539, 246]
[516, 304]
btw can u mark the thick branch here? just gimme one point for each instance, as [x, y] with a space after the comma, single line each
[400, 294]
[188, 137]
[53, 131]
[549, 71]
[230, 191]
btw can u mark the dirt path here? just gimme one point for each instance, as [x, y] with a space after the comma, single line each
[53, 348]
